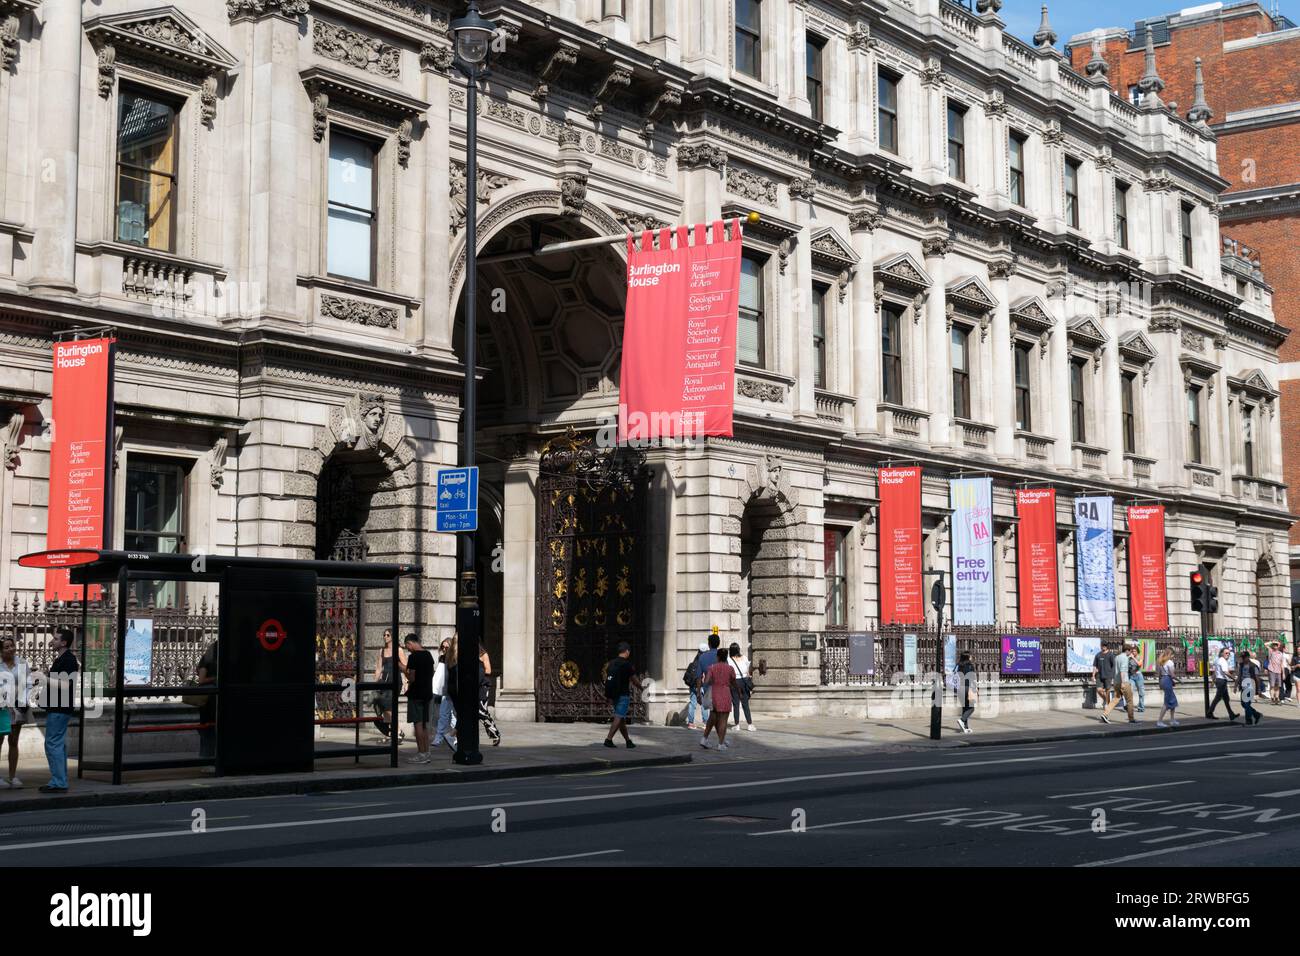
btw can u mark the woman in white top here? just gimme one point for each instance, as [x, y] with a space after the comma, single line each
[1165, 668]
[740, 664]
[13, 695]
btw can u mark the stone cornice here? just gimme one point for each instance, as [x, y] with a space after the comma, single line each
[706, 94]
[238, 10]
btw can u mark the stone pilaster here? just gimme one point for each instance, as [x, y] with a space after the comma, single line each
[938, 343]
[1004, 371]
[1112, 405]
[438, 321]
[866, 323]
[1059, 371]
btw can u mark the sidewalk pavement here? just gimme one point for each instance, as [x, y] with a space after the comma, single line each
[533, 749]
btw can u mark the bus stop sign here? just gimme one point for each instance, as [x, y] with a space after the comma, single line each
[457, 499]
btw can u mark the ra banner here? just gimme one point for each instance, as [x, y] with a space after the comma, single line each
[1022, 654]
[1148, 591]
[80, 453]
[677, 378]
[1036, 547]
[972, 550]
[1094, 535]
[901, 600]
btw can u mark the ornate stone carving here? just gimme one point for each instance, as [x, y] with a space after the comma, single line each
[217, 477]
[995, 104]
[358, 312]
[208, 100]
[1221, 341]
[404, 130]
[1045, 38]
[573, 193]
[1159, 183]
[1105, 158]
[1058, 289]
[860, 38]
[1097, 66]
[618, 77]
[1053, 135]
[783, 251]
[751, 186]
[363, 420]
[256, 9]
[562, 56]
[355, 49]
[435, 56]
[1193, 340]
[8, 40]
[107, 57]
[865, 219]
[1167, 323]
[11, 439]
[932, 73]
[760, 391]
[488, 183]
[936, 246]
[636, 222]
[663, 104]
[320, 121]
[802, 188]
[694, 157]
[569, 137]
[1003, 268]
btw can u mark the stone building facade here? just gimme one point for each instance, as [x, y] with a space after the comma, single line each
[1243, 56]
[970, 256]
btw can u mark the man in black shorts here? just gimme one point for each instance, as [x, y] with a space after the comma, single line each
[419, 669]
[1103, 672]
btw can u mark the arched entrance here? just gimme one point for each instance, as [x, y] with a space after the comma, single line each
[570, 573]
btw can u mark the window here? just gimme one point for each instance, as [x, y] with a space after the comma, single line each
[1016, 162]
[956, 142]
[813, 47]
[1134, 95]
[146, 171]
[1185, 223]
[891, 354]
[1248, 439]
[1072, 193]
[154, 521]
[1127, 387]
[1078, 412]
[1121, 214]
[749, 333]
[749, 38]
[835, 565]
[819, 335]
[351, 230]
[960, 371]
[887, 110]
[1194, 423]
[1024, 392]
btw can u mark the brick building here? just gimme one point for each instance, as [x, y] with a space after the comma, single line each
[1250, 98]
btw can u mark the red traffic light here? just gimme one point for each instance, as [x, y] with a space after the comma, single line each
[1197, 577]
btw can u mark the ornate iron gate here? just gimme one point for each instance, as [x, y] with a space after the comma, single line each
[591, 573]
[337, 632]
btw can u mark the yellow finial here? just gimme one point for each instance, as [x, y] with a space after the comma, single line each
[751, 219]
[715, 630]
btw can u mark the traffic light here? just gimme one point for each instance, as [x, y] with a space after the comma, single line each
[1212, 600]
[1204, 597]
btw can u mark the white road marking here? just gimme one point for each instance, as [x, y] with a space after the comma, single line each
[850, 823]
[1170, 849]
[587, 798]
[1252, 753]
[1109, 790]
[551, 859]
[1265, 773]
[352, 806]
[1280, 793]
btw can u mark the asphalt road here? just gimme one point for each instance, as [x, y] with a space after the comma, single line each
[1228, 797]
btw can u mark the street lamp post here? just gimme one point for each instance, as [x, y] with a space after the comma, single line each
[473, 36]
[938, 598]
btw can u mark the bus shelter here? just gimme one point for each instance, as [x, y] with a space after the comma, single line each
[267, 683]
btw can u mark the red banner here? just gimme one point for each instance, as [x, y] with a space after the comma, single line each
[1036, 546]
[79, 456]
[677, 378]
[1148, 593]
[901, 597]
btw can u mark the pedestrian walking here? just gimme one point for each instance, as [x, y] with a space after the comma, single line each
[1137, 678]
[418, 670]
[620, 678]
[1165, 668]
[485, 697]
[444, 683]
[1276, 664]
[719, 681]
[744, 686]
[15, 676]
[1294, 674]
[708, 658]
[1122, 687]
[691, 678]
[1223, 673]
[1248, 683]
[59, 695]
[1103, 672]
[384, 700]
[205, 675]
[966, 687]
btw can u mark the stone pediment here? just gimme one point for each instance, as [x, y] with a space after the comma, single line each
[902, 271]
[1031, 314]
[1253, 381]
[972, 294]
[1087, 332]
[162, 35]
[1137, 347]
[831, 251]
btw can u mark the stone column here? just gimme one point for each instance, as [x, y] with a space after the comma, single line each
[701, 169]
[1001, 386]
[800, 323]
[791, 59]
[1054, 152]
[938, 349]
[1058, 373]
[274, 92]
[517, 698]
[996, 183]
[866, 323]
[1165, 404]
[54, 248]
[934, 113]
[861, 107]
[438, 313]
[1113, 402]
[1163, 235]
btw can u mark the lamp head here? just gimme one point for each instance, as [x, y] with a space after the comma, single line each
[473, 36]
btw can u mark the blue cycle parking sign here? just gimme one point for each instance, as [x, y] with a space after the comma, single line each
[457, 500]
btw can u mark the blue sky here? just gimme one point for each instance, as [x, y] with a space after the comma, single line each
[1079, 16]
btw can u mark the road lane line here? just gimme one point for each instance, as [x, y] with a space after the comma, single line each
[552, 859]
[1265, 773]
[1170, 849]
[850, 823]
[1094, 793]
[1280, 793]
[587, 798]
[1246, 753]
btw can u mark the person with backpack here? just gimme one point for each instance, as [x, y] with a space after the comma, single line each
[691, 678]
[1122, 689]
[485, 696]
[1222, 674]
[1248, 684]
[620, 678]
[744, 684]
[967, 690]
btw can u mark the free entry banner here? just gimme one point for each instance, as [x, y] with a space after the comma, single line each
[901, 600]
[972, 550]
[1095, 560]
[1148, 593]
[1036, 551]
[677, 378]
[79, 456]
